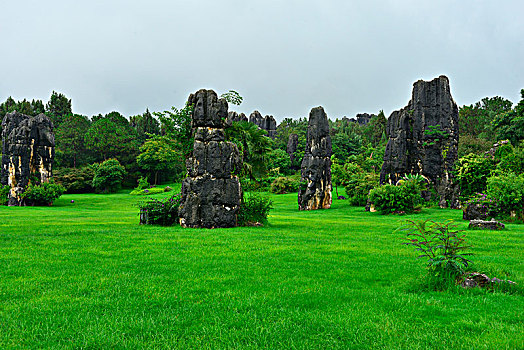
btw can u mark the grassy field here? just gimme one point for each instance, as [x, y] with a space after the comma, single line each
[86, 275]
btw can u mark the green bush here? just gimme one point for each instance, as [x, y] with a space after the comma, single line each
[150, 191]
[508, 191]
[473, 172]
[284, 185]
[4, 192]
[108, 176]
[254, 208]
[358, 186]
[512, 162]
[442, 246]
[76, 180]
[162, 212]
[404, 198]
[43, 194]
[279, 161]
[142, 183]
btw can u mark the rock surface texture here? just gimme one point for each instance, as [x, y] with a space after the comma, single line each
[211, 194]
[292, 145]
[423, 139]
[267, 123]
[486, 225]
[315, 188]
[28, 150]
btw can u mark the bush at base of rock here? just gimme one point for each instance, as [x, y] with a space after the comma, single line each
[76, 180]
[254, 209]
[43, 194]
[481, 207]
[163, 212]
[395, 199]
[283, 185]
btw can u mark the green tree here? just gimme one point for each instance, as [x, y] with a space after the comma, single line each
[58, 107]
[510, 125]
[110, 138]
[159, 153]
[108, 176]
[70, 145]
[232, 97]
[254, 145]
[476, 119]
[176, 125]
[145, 125]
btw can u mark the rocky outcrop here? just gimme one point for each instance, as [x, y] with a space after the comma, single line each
[315, 188]
[364, 118]
[486, 225]
[423, 139]
[267, 123]
[211, 194]
[478, 211]
[235, 117]
[292, 144]
[28, 150]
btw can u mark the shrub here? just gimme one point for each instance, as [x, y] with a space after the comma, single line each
[76, 180]
[472, 173]
[509, 192]
[142, 183]
[284, 185]
[279, 159]
[162, 212]
[43, 194]
[254, 208]
[108, 176]
[404, 198]
[512, 162]
[358, 186]
[4, 192]
[149, 191]
[442, 246]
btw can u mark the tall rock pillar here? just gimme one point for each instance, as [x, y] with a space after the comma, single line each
[211, 194]
[423, 139]
[315, 188]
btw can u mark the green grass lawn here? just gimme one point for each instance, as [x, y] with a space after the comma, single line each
[86, 275]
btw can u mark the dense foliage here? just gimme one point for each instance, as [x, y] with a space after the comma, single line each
[255, 208]
[42, 194]
[403, 198]
[4, 192]
[108, 176]
[162, 212]
[76, 180]
[285, 185]
[508, 191]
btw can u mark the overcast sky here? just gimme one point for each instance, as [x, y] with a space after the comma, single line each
[283, 57]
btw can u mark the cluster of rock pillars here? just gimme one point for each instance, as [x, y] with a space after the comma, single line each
[422, 139]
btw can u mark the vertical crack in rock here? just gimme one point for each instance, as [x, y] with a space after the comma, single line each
[315, 188]
[28, 150]
[423, 139]
[211, 194]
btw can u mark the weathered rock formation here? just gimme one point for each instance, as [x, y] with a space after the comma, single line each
[423, 139]
[28, 150]
[315, 188]
[235, 117]
[478, 211]
[211, 194]
[486, 225]
[292, 144]
[267, 123]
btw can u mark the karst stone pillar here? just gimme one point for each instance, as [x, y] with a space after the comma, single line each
[292, 145]
[28, 150]
[211, 194]
[315, 188]
[423, 139]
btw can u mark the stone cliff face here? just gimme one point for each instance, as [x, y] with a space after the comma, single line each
[423, 139]
[315, 190]
[28, 152]
[267, 123]
[292, 144]
[211, 194]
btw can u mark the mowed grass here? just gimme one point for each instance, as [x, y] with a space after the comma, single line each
[86, 275]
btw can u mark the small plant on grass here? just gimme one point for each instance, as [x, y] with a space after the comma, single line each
[443, 246]
[162, 212]
[43, 194]
[254, 209]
